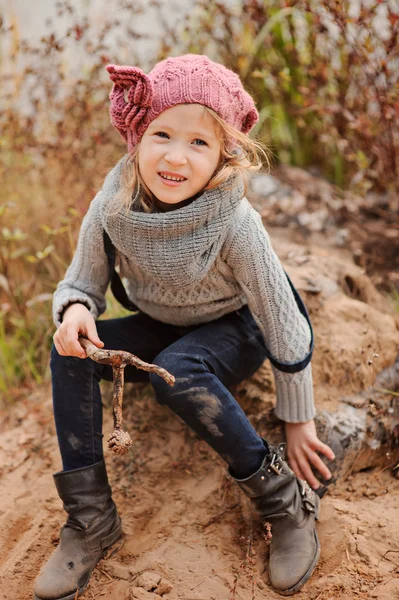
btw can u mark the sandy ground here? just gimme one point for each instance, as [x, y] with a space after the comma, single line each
[189, 532]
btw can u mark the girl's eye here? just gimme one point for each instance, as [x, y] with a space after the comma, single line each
[201, 142]
[162, 134]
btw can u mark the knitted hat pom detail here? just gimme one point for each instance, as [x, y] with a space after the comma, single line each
[131, 97]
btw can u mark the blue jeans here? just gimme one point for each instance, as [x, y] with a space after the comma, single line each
[205, 359]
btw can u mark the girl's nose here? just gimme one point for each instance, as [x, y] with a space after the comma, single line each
[176, 156]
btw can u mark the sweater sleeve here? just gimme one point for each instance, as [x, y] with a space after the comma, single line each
[260, 274]
[86, 279]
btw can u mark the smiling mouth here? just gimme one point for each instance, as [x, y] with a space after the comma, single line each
[176, 178]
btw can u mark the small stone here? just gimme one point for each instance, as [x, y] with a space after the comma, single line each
[55, 538]
[118, 570]
[164, 586]
[137, 593]
[149, 580]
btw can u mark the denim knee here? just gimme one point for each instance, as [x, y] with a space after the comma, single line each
[185, 368]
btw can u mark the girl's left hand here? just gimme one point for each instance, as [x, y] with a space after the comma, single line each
[302, 445]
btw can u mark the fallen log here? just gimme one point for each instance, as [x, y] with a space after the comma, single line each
[364, 430]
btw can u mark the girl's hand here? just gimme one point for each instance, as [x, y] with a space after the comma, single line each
[302, 444]
[77, 319]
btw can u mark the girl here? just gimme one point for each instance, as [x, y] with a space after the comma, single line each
[213, 302]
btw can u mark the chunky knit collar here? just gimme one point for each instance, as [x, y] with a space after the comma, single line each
[176, 247]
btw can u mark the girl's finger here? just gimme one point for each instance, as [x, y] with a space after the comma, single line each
[326, 450]
[294, 466]
[75, 349]
[60, 347]
[319, 464]
[308, 473]
[79, 351]
[93, 335]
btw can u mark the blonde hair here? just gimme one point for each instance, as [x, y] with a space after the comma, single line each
[239, 155]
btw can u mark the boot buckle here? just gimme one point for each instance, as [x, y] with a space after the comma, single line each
[276, 469]
[275, 464]
[281, 450]
[308, 495]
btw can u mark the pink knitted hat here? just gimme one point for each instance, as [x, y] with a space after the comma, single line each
[137, 98]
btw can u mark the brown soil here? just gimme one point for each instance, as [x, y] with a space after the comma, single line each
[189, 532]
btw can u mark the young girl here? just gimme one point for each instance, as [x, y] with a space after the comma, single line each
[213, 302]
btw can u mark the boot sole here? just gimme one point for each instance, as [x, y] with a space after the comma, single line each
[70, 596]
[108, 552]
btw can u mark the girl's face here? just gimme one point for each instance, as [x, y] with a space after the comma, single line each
[181, 144]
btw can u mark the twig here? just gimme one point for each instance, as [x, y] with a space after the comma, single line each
[193, 588]
[384, 469]
[387, 391]
[387, 552]
[116, 358]
[106, 574]
[120, 441]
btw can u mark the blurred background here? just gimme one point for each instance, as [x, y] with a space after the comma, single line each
[324, 75]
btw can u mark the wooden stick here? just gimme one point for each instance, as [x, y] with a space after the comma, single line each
[115, 358]
[120, 441]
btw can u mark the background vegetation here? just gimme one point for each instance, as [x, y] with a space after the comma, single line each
[325, 76]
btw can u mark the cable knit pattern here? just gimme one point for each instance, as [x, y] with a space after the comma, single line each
[259, 271]
[137, 98]
[193, 265]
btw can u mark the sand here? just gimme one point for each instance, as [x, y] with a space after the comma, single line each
[189, 533]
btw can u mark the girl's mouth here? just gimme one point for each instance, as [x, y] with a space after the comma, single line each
[168, 181]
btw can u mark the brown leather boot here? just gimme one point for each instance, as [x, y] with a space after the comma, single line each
[92, 527]
[291, 507]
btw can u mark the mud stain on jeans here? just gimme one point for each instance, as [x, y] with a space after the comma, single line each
[182, 380]
[208, 407]
[208, 412]
[74, 441]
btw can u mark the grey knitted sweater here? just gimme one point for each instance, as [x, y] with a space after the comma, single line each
[192, 265]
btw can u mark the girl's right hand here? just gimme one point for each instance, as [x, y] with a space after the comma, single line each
[77, 319]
